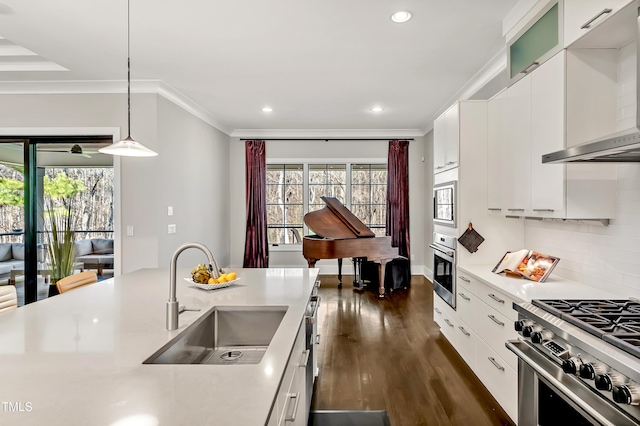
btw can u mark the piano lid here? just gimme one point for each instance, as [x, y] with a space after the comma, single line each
[336, 221]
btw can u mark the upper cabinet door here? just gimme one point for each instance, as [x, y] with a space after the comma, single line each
[495, 154]
[536, 43]
[581, 16]
[446, 139]
[517, 141]
[547, 135]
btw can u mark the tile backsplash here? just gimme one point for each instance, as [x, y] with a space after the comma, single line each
[606, 257]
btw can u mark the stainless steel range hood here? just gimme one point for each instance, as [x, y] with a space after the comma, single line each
[621, 147]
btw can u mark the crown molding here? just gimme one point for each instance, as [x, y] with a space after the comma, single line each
[112, 87]
[495, 66]
[326, 133]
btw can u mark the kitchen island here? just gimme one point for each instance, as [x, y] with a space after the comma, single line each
[77, 358]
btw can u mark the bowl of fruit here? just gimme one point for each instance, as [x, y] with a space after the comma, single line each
[202, 277]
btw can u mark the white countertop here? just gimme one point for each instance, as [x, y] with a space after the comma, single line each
[522, 290]
[76, 358]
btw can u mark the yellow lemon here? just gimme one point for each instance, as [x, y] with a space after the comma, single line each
[213, 281]
[222, 279]
[231, 276]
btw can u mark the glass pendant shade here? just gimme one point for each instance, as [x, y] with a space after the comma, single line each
[128, 148]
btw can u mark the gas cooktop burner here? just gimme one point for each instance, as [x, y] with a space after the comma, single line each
[615, 321]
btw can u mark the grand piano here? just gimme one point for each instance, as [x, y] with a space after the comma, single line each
[340, 234]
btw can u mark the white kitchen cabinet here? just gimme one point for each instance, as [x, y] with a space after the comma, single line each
[496, 155]
[570, 97]
[290, 400]
[446, 318]
[547, 135]
[515, 145]
[484, 323]
[446, 140]
[582, 16]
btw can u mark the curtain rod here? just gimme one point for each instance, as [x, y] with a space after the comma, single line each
[326, 139]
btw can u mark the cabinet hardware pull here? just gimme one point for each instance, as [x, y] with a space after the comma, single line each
[497, 299]
[291, 396]
[465, 279]
[448, 322]
[464, 296]
[496, 320]
[318, 339]
[530, 68]
[494, 209]
[438, 311]
[590, 21]
[450, 163]
[465, 332]
[439, 167]
[515, 210]
[495, 363]
[543, 210]
[305, 355]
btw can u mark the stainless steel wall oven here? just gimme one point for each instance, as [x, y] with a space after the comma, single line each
[444, 267]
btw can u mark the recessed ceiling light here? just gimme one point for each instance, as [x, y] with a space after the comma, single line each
[267, 109]
[401, 16]
[377, 109]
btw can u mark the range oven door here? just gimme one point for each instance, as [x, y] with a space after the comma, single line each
[548, 396]
[444, 274]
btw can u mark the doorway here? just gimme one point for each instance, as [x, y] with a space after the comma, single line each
[45, 178]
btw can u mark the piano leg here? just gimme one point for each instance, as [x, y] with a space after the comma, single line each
[339, 273]
[382, 267]
[358, 283]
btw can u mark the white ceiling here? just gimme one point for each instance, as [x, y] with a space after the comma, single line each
[318, 64]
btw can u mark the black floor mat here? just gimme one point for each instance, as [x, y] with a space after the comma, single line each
[348, 418]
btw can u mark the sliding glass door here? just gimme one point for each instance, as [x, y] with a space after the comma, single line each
[54, 191]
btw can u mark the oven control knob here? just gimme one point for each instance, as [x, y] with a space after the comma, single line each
[520, 324]
[528, 329]
[571, 365]
[626, 394]
[591, 370]
[541, 336]
[608, 380]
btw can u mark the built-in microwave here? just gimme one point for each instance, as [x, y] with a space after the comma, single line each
[444, 205]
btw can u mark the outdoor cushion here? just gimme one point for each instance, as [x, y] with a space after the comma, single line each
[5, 252]
[83, 247]
[102, 245]
[17, 250]
[5, 269]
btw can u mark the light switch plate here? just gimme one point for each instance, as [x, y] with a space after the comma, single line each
[170, 211]
[171, 229]
[130, 231]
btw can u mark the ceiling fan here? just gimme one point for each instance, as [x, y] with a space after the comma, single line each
[75, 149]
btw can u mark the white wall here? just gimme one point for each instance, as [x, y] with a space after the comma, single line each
[164, 128]
[192, 177]
[345, 151]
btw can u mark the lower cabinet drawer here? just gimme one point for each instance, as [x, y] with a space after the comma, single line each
[466, 343]
[499, 301]
[498, 377]
[495, 329]
[446, 318]
[291, 373]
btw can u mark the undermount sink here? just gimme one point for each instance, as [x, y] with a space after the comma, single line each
[226, 335]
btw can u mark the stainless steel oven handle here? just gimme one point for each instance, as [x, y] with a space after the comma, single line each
[436, 248]
[550, 377]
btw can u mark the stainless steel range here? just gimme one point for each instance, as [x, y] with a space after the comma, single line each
[578, 362]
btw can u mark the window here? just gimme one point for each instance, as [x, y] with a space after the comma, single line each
[285, 203]
[295, 189]
[369, 195]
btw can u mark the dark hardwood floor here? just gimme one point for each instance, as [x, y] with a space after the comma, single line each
[389, 355]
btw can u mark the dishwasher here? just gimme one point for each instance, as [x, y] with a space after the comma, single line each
[312, 341]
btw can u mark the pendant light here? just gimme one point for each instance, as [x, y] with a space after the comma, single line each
[128, 147]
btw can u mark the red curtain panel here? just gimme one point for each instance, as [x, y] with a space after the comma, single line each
[398, 196]
[256, 247]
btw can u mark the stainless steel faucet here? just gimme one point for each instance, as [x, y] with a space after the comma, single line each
[173, 309]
